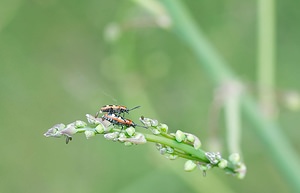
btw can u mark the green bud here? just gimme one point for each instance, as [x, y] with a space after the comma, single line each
[127, 143]
[194, 139]
[163, 128]
[80, 124]
[169, 150]
[92, 120]
[148, 122]
[138, 138]
[190, 138]
[241, 171]
[107, 128]
[234, 158]
[130, 131]
[180, 136]
[171, 156]
[163, 150]
[112, 136]
[55, 131]
[189, 166]
[223, 164]
[100, 128]
[197, 143]
[213, 157]
[69, 130]
[122, 135]
[89, 134]
[154, 123]
[155, 131]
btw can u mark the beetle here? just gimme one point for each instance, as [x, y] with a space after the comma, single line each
[118, 120]
[115, 109]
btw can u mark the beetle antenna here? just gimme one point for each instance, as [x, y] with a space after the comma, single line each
[134, 108]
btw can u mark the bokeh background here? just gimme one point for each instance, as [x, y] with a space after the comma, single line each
[62, 59]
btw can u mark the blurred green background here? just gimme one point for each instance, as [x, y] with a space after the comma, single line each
[62, 59]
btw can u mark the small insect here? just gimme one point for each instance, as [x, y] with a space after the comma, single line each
[118, 120]
[115, 109]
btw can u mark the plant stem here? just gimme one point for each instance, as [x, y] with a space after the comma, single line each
[266, 63]
[233, 122]
[191, 152]
[181, 146]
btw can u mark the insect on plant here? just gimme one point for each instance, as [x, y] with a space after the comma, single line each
[118, 120]
[115, 109]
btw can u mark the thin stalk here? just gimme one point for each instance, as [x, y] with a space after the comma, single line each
[277, 146]
[266, 59]
[191, 152]
[233, 122]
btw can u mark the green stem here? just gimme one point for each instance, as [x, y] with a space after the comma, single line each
[191, 152]
[182, 149]
[185, 27]
[233, 122]
[167, 135]
[181, 146]
[276, 144]
[186, 156]
[266, 50]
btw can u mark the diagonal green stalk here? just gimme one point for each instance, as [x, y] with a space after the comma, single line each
[186, 29]
[276, 144]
